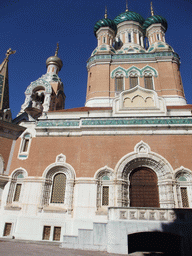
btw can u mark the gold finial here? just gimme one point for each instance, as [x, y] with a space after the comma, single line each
[9, 52]
[57, 49]
[127, 6]
[152, 12]
[105, 12]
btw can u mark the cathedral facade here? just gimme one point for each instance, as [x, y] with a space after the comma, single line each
[101, 176]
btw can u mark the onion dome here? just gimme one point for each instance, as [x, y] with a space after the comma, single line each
[155, 19]
[129, 16]
[55, 60]
[105, 23]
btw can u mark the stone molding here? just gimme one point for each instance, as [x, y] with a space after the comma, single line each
[146, 214]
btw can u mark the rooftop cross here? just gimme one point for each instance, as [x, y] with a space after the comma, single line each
[9, 52]
[105, 12]
[56, 52]
[152, 12]
[127, 6]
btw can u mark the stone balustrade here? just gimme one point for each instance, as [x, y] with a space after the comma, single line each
[149, 214]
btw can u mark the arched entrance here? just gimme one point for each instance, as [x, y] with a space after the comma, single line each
[143, 188]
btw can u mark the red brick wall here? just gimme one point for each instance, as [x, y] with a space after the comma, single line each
[89, 153]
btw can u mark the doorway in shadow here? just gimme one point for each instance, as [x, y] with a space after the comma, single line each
[155, 243]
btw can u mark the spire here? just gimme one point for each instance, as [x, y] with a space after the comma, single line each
[127, 6]
[105, 12]
[57, 49]
[4, 85]
[152, 12]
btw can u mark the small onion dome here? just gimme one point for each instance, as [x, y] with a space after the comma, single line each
[105, 23]
[154, 20]
[54, 60]
[129, 16]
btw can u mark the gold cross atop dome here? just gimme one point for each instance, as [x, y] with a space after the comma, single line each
[57, 49]
[152, 12]
[127, 6]
[105, 12]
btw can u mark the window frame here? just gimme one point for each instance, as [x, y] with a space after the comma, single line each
[152, 78]
[117, 76]
[23, 154]
[51, 190]
[15, 180]
[186, 183]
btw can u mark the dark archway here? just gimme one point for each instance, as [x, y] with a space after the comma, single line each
[165, 243]
[143, 188]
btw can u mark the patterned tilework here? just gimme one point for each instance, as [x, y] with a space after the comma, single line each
[133, 56]
[135, 121]
[58, 123]
[115, 122]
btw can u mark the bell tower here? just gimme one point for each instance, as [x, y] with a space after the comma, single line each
[46, 93]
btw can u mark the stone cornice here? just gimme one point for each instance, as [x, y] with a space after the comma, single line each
[114, 126]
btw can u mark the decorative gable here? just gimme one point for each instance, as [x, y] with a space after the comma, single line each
[138, 101]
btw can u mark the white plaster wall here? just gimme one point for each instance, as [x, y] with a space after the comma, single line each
[85, 201]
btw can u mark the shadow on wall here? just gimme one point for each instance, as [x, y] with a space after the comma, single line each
[174, 239]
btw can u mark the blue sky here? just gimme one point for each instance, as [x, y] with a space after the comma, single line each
[33, 27]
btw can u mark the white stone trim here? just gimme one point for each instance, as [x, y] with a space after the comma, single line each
[144, 157]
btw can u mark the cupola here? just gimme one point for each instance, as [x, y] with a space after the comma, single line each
[129, 30]
[105, 30]
[155, 28]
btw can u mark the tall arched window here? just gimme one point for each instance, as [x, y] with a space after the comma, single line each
[15, 188]
[25, 145]
[58, 188]
[184, 189]
[148, 80]
[143, 188]
[119, 83]
[133, 79]
[104, 190]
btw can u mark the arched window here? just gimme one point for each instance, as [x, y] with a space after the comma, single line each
[129, 37]
[24, 146]
[148, 80]
[133, 79]
[104, 190]
[58, 188]
[15, 188]
[119, 83]
[184, 189]
[143, 188]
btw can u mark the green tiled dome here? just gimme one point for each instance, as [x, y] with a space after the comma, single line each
[154, 20]
[126, 16]
[105, 23]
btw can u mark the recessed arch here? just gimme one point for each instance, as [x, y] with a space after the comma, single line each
[143, 157]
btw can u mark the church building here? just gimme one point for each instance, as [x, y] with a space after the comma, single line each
[117, 172]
